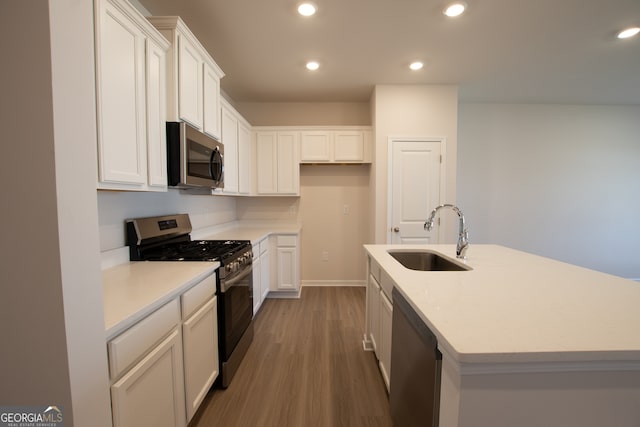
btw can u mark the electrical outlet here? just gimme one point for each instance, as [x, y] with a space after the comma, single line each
[345, 210]
[325, 256]
[292, 210]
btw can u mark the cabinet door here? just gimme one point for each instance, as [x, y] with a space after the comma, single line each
[156, 116]
[244, 159]
[373, 305]
[257, 286]
[120, 54]
[349, 146]
[266, 162]
[189, 82]
[265, 269]
[151, 394]
[288, 163]
[386, 314]
[230, 141]
[200, 337]
[315, 146]
[287, 269]
[211, 106]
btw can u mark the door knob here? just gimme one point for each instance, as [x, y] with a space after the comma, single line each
[396, 229]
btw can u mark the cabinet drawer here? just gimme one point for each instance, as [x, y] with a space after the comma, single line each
[131, 345]
[198, 295]
[287, 240]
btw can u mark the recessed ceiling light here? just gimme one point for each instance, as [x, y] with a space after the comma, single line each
[629, 32]
[455, 9]
[307, 8]
[415, 66]
[312, 65]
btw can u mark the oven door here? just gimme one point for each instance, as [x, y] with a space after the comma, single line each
[235, 306]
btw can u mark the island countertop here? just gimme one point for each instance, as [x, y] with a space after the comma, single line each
[518, 307]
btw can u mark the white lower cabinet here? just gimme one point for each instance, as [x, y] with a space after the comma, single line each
[386, 314]
[287, 269]
[201, 366]
[265, 270]
[162, 367]
[379, 317]
[260, 273]
[151, 393]
[373, 305]
[257, 279]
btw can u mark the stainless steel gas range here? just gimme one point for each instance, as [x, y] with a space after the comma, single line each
[167, 238]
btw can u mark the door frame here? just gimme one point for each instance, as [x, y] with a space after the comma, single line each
[443, 173]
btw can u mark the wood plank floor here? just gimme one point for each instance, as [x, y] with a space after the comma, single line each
[305, 367]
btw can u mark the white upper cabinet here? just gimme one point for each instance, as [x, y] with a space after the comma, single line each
[190, 82]
[211, 101]
[193, 89]
[351, 146]
[244, 158]
[316, 146]
[236, 138]
[336, 145]
[130, 95]
[230, 142]
[156, 115]
[277, 164]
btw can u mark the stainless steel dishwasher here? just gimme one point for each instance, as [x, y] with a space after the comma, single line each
[416, 364]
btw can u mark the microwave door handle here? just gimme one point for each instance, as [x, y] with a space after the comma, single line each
[224, 287]
[211, 160]
[216, 174]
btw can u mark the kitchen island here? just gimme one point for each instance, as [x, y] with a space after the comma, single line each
[526, 340]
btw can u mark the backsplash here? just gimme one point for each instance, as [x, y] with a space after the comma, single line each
[115, 207]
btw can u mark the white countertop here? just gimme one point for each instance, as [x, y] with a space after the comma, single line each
[253, 232]
[133, 290]
[518, 307]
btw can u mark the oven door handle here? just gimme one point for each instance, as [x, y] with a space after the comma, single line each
[224, 287]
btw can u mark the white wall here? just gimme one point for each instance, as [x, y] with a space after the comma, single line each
[305, 113]
[115, 207]
[561, 181]
[416, 111]
[324, 190]
[53, 349]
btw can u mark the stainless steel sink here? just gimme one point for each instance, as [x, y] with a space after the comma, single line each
[426, 261]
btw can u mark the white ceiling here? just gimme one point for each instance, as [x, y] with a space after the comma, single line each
[550, 51]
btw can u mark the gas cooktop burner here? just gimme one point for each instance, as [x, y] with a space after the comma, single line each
[196, 250]
[167, 238]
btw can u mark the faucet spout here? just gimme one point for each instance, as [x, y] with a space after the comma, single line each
[463, 233]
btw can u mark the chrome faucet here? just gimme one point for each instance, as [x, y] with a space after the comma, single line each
[463, 233]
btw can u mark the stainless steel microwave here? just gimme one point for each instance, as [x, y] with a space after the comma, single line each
[194, 160]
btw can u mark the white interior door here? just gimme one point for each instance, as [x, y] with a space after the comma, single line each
[415, 178]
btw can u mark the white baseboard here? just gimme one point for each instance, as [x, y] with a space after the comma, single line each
[285, 294]
[326, 283]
